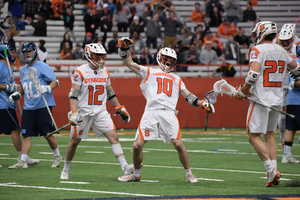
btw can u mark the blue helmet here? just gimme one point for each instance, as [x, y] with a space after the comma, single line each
[298, 50]
[27, 46]
[8, 51]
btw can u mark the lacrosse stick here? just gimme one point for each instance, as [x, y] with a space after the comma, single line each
[211, 97]
[3, 39]
[82, 114]
[34, 79]
[223, 87]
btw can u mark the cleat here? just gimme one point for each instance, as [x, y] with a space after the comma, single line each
[32, 162]
[273, 178]
[20, 165]
[129, 178]
[192, 179]
[289, 159]
[128, 169]
[64, 174]
[56, 161]
[0, 166]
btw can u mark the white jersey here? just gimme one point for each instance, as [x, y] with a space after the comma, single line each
[160, 89]
[93, 93]
[273, 59]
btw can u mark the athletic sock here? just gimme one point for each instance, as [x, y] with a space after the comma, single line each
[122, 161]
[274, 163]
[67, 165]
[137, 173]
[56, 152]
[287, 148]
[188, 171]
[20, 153]
[268, 165]
[24, 157]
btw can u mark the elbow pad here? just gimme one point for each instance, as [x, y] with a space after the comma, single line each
[296, 71]
[73, 94]
[192, 99]
[252, 77]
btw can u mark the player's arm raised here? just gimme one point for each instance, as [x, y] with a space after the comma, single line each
[124, 53]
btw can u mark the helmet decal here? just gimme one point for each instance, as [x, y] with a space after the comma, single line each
[95, 54]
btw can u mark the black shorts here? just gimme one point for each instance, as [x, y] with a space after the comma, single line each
[36, 123]
[293, 124]
[8, 121]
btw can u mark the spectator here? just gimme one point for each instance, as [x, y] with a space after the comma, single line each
[100, 39]
[30, 8]
[133, 56]
[141, 9]
[91, 4]
[113, 44]
[122, 15]
[199, 34]
[215, 18]
[16, 8]
[78, 52]
[45, 7]
[173, 9]
[136, 25]
[42, 51]
[225, 69]
[6, 24]
[242, 39]
[181, 36]
[200, 46]
[209, 37]
[111, 6]
[99, 6]
[231, 50]
[146, 57]
[180, 59]
[216, 48]
[197, 14]
[170, 24]
[66, 39]
[249, 15]
[211, 4]
[66, 53]
[233, 29]
[90, 21]
[40, 27]
[153, 31]
[138, 44]
[106, 19]
[191, 56]
[232, 10]
[10, 39]
[57, 5]
[208, 56]
[223, 29]
[87, 40]
[163, 4]
[69, 21]
[21, 24]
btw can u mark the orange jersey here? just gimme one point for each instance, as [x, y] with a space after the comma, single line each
[223, 30]
[59, 5]
[220, 45]
[197, 16]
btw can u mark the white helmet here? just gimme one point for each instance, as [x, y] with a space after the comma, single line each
[262, 29]
[286, 36]
[166, 58]
[95, 54]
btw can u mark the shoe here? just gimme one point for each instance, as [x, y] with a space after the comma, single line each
[129, 178]
[273, 178]
[64, 174]
[192, 179]
[20, 165]
[128, 169]
[56, 161]
[0, 166]
[289, 159]
[32, 162]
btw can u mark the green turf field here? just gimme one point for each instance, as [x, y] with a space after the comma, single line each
[225, 163]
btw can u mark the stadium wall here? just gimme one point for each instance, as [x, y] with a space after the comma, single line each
[229, 111]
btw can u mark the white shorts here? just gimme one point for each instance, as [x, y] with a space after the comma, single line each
[261, 119]
[100, 123]
[159, 122]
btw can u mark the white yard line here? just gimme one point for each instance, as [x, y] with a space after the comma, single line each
[74, 189]
[46, 153]
[94, 152]
[209, 179]
[72, 182]
[282, 179]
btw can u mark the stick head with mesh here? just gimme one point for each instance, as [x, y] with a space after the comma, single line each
[33, 76]
[222, 86]
[211, 96]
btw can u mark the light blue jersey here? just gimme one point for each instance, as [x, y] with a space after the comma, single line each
[5, 79]
[33, 99]
[293, 97]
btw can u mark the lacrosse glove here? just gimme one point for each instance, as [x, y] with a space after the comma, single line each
[14, 97]
[123, 114]
[44, 88]
[11, 87]
[207, 106]
[293, 84]
[241, 93]
[124, 44]
[74, 118]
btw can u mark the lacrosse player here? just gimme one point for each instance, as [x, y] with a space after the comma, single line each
[286, 39]
[161, 90]
[268, 63]
[36, 120]
[293, 107]
[8, 117]
[91, 88]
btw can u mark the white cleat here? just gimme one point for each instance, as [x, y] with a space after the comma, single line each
[192, 179]
[32, 162]
[289, 159]
[129, 178]
[56, 161]
[20, 165]
[128, 169]
[64, 174]
[273, 178]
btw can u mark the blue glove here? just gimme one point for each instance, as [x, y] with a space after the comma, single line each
[12, 87]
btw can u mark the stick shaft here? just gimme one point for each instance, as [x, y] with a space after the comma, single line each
[49, 111]
[61, 128]
[206, 122]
